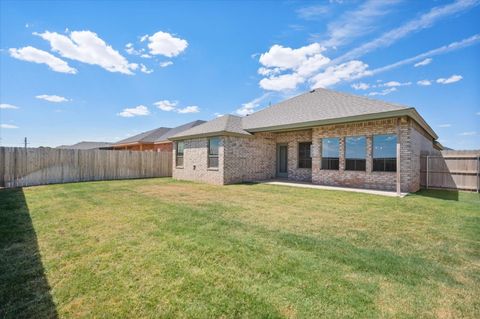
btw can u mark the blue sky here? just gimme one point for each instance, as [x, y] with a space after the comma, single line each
[102, 71]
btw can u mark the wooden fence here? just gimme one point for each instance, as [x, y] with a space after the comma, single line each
[452, 170]
[38, 166]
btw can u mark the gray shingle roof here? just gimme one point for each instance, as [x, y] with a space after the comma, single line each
[176, 130]
[316, 105]
[227, 124]
[85, 145]
[145, 137]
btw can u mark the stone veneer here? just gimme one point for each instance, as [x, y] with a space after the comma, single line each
[254, 158]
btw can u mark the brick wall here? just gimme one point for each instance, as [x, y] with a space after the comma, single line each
[195, 162]
[249, 158]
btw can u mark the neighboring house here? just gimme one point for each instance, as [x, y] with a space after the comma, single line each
[323, 137]
[153, 140]
[88, 146]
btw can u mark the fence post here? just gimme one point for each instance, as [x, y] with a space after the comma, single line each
[428, 157]
[478, 174]
[398, 169]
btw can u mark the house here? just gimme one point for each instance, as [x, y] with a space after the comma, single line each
[322, 137]
[85, 145]
[153, 140]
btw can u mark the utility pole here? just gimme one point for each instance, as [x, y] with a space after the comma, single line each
[25, 141]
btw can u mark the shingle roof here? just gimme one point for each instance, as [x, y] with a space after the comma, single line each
[227, 124]
[145, 137]
[85, 145]
[316, 105]
[176, 130]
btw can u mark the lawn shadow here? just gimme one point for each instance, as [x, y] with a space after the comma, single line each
[24, 288]
[439, 194]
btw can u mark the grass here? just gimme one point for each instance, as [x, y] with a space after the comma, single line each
[163, 248]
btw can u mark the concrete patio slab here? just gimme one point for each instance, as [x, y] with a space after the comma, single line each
[335, 188]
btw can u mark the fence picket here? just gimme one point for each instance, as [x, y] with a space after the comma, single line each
[37, 166]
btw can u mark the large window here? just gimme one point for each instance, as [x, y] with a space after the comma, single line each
[179, 154]
[213, 144]
[330, 153]
[355, 153]
[304, 155]
[385, 153]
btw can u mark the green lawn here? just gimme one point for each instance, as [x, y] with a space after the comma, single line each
[163, 248]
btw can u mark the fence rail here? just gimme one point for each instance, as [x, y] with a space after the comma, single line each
[453, 170]
[38, 166]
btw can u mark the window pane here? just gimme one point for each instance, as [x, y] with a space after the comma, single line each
[355, 147]
[330, 147]
[213, 161]
[180, 147]
[385, 153]
[213, 144]
[304, 156]
[384, 146]
[330, 163]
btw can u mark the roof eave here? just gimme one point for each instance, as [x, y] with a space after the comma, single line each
[130, 144]
[209, 134]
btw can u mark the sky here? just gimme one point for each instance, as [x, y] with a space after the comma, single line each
[75, 71]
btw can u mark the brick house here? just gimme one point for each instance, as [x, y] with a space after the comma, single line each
[155, 140]
[322, 137]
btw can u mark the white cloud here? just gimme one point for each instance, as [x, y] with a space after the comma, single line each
[356, 23]
[143, 38]
[140, 110]
[146, 56]
[165, 64]
[344, 72]
[312, 12]
[131, 50]
[424, 82]
[395, 84]
[163, 43]
[217, 114]
[298, 65]
[166, 105]
[452, 79]
[249, 107]
[144, 69]
[288, 58]
[189, 109]
[383, 92]
[281, 82]
[470, 133]
[52, 98]
[9, 126]
[5, 106]
[87, 47]
[423, 62]
[426, 20]
[360, 86]
[445, 125]
[35, 55]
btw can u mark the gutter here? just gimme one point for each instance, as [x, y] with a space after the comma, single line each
[209, 134]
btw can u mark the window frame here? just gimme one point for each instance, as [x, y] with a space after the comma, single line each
[330, 160]
[307, 160]
[211, 156]
[359, 164]
[385, 161]
[177, 154]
